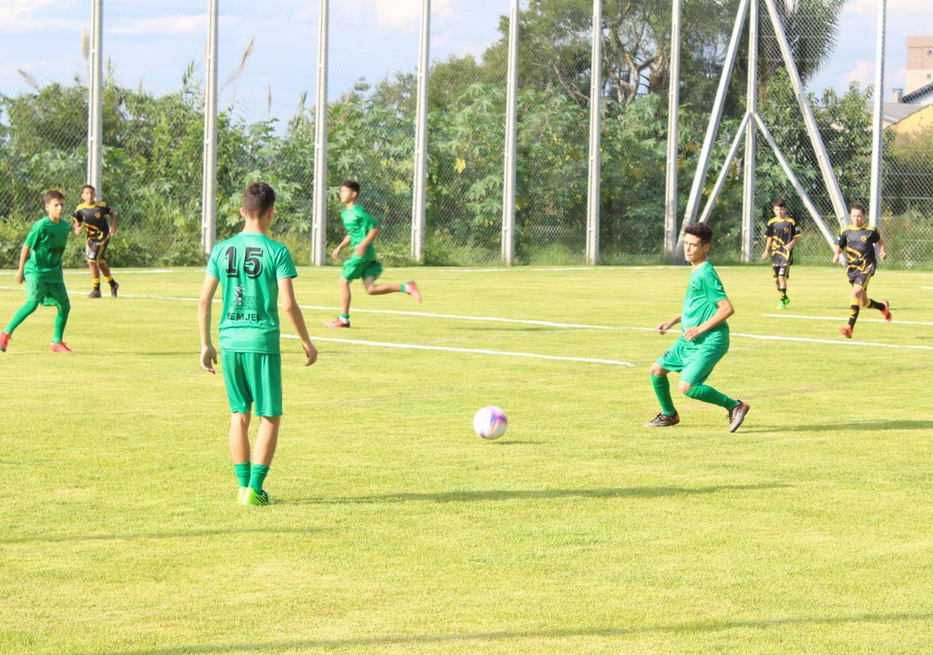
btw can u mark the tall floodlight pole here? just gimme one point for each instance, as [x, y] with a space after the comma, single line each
[592, 193]
[419, 200]
[319, 212]
[95, 123]
[751, 134]
[874, 202]
[511, 127]
[673, 113]
[209, 181]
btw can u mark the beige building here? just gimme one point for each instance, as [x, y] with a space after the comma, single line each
[919, 63]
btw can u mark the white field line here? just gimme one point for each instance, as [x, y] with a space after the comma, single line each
[759, 337]
[472, 351]
[559, 268]
[928, 288]
[843, 319]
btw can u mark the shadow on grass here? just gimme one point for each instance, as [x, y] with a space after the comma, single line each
[518, 635]
[546, 494]
[846, 427]
[183, 534]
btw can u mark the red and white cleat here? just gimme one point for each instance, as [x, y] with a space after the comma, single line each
[413, 290]
[4, 341]
[337, 323]
[62, 348]
[886, 312]
[846, 331]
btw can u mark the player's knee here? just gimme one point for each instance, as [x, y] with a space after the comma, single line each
[371, 289]
[656, 370]
[684, 387]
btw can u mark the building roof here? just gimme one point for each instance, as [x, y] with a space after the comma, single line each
[894, 112]
[915, 95]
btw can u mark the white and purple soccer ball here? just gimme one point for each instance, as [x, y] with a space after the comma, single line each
[490, 422]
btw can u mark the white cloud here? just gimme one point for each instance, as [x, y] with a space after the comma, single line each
[863, 73]
[178, 25]
[395, 14]
[19, 16]
[870, 7]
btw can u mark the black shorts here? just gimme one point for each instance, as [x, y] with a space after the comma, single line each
[96, 250]
[860, 278]
[781, 270]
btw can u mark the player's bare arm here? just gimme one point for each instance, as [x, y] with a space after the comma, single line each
[667, 325]
[20, 274]
[295, 317]
[767, 251]
[881, 251]
[343, 244]
[113, 222]
[724, 310]
[837, 251]
[208, 352]
[365, 243]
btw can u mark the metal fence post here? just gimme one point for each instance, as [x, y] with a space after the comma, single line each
[319, 212]
[209, 183]
[874, 203]
[592, 195]
[419, 201]
[511, 126]
[673, 115]
[95, 123]
[751, 136]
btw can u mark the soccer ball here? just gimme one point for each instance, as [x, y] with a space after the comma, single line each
[490, 422]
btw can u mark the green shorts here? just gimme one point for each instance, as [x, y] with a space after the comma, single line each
[48, 294]
[356, 268]
[253, 378]
[694, 361]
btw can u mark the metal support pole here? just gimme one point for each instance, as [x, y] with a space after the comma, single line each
[706, 152]
[419, 200]
[209, 182]
[826, 168]
[511, 128]
[673, 115]
[592, 193]
[789, 172]
[319, 212]
[751, 135]
[741, 133]
[874, 203]
[95, 123]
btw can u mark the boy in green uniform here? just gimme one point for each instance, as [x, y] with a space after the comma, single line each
[782, 233]
[92, 214]
[40, 265]
[253, 272]
[362, 230]
[705, 338]
[858, 242]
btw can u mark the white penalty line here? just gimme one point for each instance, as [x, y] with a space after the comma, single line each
[471, 351]
[836, 318]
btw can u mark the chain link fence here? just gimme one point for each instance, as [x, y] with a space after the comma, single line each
[154, 102]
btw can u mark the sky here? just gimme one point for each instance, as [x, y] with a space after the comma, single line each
[151, 42]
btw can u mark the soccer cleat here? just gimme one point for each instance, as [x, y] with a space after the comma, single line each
[4, 341]
[782, 304]
[662, 420]
[846, 331]
[94, 294]
[886, 312]
[737, 415]
[241, 495]
[413, 290]
[250, 497]
[337, 323]
[113, 289]
[62, 348]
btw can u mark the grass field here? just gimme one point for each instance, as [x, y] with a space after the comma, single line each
[397, 530]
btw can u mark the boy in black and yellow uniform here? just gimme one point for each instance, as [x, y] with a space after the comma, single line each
[93, 216]
[782, 233]
[858, 243]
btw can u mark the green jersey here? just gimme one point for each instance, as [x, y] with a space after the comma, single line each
[358, 223]
[703, 292]
[46, 240]
[249, 267]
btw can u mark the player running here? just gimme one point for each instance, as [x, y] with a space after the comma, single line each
[704, 341]
[858, 242]
[782, 233]
[92, 215]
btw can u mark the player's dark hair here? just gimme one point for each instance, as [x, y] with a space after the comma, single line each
[353, 185]
[779, 202]
[258, 199]
[860, 208]
[702, 231]
[88, 186]
[52, 195]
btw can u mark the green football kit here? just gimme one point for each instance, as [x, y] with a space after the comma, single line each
[358, 224]
[43, 272]
[249, 266]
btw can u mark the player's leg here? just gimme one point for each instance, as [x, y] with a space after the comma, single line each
[95, 270]
[857, 299]
[32, 304]
[883, 306]
[265, 376]
[241, 401]
[693, 385]
[239, 449]
[60, 297]
[105, 270]
[409, 288]
[343, 320]
[672, 360]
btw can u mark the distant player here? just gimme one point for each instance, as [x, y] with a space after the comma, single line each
[362, 230]
[40, 265]
[782, 233]
[705, 338]
[858, 241]
[92, 215]
[253, 272]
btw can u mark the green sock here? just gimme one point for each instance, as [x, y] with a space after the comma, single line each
[404, 288]
[709, 395]
[21, 315]
[60, 322]
[242, 473]
[662, 389]
[257, 475]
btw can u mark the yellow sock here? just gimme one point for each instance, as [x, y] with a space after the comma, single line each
[109, 278]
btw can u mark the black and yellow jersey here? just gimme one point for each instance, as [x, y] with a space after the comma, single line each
[858, 243]
[781, 231]
[94, 217]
